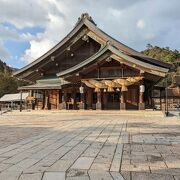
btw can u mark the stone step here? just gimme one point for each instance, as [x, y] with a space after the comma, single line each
[142, 113]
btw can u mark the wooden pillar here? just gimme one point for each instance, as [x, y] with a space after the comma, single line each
[105, 101]
[21, 101]
[64, 99]
[60, 96]
[30, 92]
[46, 100]
[141, 97]
[57, 100]
[99, 100]
[43, 103]
[160, 100]
[82, 97]
[82, 102]
[32, 100]
[89, 99]
[123, 95]
[36, 99]
[74, 99]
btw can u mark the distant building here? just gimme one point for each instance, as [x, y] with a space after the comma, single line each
[173, 92]
[89, 69]
[172, 96]
[12, 100]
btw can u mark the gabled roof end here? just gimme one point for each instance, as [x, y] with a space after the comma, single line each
[85, 16]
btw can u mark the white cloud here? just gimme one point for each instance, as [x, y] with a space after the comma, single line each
[140, 24]
[36, 50]
[122, 20]
[55, 30]
[7, 33]
[134, 23]
[23, 13]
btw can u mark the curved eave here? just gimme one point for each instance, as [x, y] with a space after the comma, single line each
[51, 51]
[123, 47]
[119, 56]
[138, 62]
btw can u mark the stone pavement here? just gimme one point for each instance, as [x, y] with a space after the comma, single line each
[82, 146]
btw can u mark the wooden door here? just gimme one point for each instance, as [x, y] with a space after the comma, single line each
[111, 100]
[53, 99]
[132, 98]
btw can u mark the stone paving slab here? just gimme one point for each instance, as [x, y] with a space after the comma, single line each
[54, 176]
[117, 176]
[150, 176]
[88, 146]
[100, 174]
[33, 176]
[83, 163]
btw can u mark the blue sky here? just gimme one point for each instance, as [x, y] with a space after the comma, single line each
[17, 47]
[30, 28]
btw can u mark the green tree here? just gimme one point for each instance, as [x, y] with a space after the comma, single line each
[166, 55]
[8, 84]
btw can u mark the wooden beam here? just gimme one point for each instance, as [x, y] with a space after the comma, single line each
[96, 38]
[126, 62]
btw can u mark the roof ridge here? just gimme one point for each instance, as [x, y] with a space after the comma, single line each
[83, 17]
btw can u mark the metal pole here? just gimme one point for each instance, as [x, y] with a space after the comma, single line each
[166, 109]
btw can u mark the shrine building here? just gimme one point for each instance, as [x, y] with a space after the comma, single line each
[89, 69]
